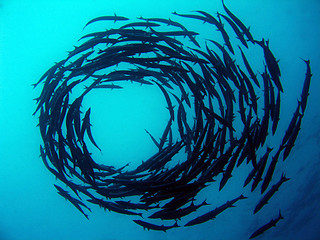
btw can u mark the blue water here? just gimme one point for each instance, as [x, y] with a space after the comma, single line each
[36, 34]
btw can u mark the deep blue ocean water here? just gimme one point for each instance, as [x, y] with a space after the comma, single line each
[35, 34]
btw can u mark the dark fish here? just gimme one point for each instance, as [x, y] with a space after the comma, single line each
[210, 19]
[292, 138]
[166, 131]
[85, 122]
[258, 175]
[236, 20]
[212, 214]
[177, 213]
[251, 174]
[153, 139]
[271, 100]
[306, 86]
[197, 78]
[228, 62]
[87, 126]
[211, 114]
[74, 201]
[151, 226]
[272, 63]
[115, 207]
[183, 33]
[110, 86]
[270, 193]
[131, 205]
[232, 163]
[252, 93]
[88, 45]
[276, 117]
[292, 124]
[263, 130]
[167, 97]
[140, 24]
[270, 171]
[249, 69]
[103, 18]
[169, 22]
[242, 109]
[179, 120]
[204, 19]
[179, 81]
[50, 72]
[57, 174]
[267, 226]
[235, 29]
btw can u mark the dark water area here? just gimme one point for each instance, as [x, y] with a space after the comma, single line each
[34, 35]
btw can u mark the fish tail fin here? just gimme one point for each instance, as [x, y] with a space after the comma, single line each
[306, 61]
[284, 178]
[280, 216]
[205, 202]
[242, 197]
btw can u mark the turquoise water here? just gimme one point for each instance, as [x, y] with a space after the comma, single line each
[36, 34]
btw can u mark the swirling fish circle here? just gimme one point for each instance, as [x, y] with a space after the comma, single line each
[212, 81]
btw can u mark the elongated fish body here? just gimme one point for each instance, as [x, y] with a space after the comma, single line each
[306, 86]
[107, 18]
[212, 214]
[238, 23]
[149, 226]
[270, 193]
[267, 226]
